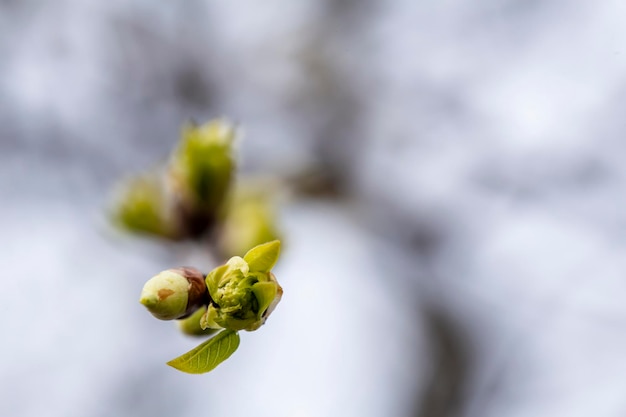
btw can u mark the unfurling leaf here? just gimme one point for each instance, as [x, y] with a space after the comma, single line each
[263, 257]
[265, 293]
[208, 355]
[243, 291]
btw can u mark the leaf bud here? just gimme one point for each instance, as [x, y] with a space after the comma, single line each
[175, 293]
[243, 291]
[200, 172]
[142, 206]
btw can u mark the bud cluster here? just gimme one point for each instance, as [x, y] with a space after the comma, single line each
[192, 196]
[238, 295]
[184, 198]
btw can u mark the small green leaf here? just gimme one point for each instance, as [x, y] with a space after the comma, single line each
[207, 321]
[263, 257]
[208, 355]
[214, 277]
[265, 292]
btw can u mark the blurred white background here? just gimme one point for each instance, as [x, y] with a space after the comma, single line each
[469, 261]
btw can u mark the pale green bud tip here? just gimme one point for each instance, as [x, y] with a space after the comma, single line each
[166, 295]
[218, 132]
[149, 301]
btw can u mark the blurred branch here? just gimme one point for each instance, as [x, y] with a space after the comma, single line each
[443, 396]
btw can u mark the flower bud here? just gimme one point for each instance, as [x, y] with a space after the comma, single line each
[174, 293]
[243, 291]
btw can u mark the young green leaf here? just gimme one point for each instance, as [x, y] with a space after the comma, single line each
[214, 277]
[208, 355]
[263, 257]
[265, 293]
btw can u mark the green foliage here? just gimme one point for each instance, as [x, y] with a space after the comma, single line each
[208, 355]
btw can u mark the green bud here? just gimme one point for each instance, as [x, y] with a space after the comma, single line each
[243, 291]
[250, 220]
[142, 206]
[191, 325]
[201, 167]
[174, 293]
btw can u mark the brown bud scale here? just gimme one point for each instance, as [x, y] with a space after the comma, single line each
[198, 294]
